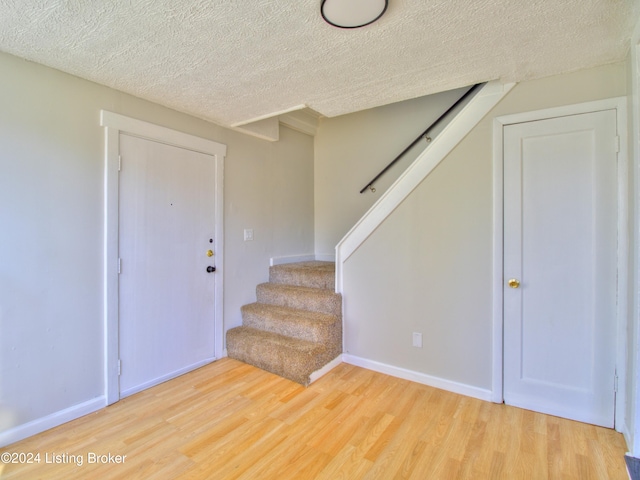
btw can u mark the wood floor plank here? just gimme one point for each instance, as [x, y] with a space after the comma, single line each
[308, 464]
[402, 445]
[347, 465]
[409, 461]
[229, 420]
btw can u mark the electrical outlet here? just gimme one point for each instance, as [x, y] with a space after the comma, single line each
[417, 339]
[248, 234]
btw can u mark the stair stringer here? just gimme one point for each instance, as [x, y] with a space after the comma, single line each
[472, 113]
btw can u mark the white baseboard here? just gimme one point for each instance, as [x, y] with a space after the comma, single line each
[418, 377]
[164, 378]
[326, 257]
[628, 438]
[39, 425]
[292, 259]
[326, 369]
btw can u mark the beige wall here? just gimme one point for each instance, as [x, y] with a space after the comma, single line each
[51, 227]
[428, 267]
[351, 149]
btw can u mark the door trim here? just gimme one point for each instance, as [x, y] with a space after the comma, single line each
[619, 104]
[114, 124]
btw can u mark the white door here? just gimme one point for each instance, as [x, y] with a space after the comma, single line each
[166, 294]
[560, 242]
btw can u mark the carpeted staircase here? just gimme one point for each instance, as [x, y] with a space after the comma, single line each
[295, 327]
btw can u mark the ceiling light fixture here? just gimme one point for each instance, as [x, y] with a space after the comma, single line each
[352, 13]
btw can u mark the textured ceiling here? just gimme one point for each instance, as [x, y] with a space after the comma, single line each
[235, 61]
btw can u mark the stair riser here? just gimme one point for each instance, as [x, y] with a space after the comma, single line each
[296, 328]
[287, 362]
[311, 279]
[323, 301]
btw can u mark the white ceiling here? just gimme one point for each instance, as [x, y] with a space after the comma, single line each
[236, 61]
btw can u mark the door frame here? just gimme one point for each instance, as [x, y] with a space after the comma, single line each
[114, 124]
[619, 104]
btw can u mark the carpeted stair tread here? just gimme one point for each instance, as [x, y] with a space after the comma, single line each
[288, 357]
[302, 324]
[301, 298]
[314, 274]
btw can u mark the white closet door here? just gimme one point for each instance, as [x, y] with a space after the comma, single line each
[560, 224]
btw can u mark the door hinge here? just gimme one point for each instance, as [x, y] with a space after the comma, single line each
[119, 265]
[616, 144]
[615, 383]
[119, 367]
[119, 162]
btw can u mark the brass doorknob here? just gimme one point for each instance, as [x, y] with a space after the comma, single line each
[209, 253]
[513, 283]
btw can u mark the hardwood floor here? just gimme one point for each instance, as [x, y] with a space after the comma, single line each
[229, 420]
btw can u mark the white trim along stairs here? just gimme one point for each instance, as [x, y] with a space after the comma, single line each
[474, 111]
